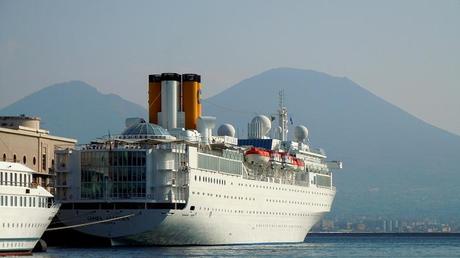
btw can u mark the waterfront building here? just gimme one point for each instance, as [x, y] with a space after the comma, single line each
[23, 141]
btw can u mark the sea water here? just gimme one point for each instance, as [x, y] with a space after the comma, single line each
[324, 245]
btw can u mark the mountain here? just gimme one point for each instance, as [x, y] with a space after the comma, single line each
[394, 163]
[77, 110]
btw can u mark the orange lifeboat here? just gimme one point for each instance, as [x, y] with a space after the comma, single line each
[299, 164]
[257, 156]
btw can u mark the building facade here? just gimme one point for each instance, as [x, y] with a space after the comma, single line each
[23, 141]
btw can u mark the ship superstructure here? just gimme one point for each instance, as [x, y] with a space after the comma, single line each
[171, 181]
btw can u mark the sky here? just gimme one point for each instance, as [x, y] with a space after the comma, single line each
[406, 52]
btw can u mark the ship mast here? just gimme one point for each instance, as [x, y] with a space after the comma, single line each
[282, 117]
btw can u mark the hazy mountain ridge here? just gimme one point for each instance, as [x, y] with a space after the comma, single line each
[77, 110]
[395, 164]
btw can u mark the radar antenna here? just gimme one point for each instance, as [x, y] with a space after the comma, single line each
[282, 117]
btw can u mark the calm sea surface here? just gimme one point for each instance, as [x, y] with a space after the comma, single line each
[314, 246]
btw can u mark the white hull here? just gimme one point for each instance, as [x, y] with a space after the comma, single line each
[177, 227]
[22, 227]
[240, 212]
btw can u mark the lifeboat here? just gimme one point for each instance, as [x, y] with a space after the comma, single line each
[257, 156]
[299, 164]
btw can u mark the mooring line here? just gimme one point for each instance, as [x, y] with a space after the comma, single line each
[91, 223]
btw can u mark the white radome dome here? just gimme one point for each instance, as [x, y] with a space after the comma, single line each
[226, 130]
[300, 133]
[265, 123]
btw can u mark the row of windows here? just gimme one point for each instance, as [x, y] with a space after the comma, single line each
[255, 212]
[253, 199]
[215, 163]
[224, 182]
[15, 159]
[283, 189]
[296, 202]
[113, 158]
[279, 226]
[23, 201]
[211, 180]
[226, 196]
[115, 174]
[124, 190]
[24, 160]
[14, 244]
[23, 225]
[16, 179]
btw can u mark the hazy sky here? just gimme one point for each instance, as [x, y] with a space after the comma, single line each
[407, 52]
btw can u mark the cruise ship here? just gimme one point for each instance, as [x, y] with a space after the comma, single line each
[26, 209]
[171, 181]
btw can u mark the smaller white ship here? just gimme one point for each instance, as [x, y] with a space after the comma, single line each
[26, 210]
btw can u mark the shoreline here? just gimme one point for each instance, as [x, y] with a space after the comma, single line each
[358, 234]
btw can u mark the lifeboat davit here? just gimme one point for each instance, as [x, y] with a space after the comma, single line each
[276, 159]
[288, 161]
[257, 156]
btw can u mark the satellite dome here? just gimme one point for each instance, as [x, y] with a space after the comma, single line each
[259, 127]
[300, 133]
[226, 130]
[265, 121]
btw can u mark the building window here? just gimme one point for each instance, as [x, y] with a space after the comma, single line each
[44, 162]
[24, 160]
[34, 161]
[4, 156]
[14, 158]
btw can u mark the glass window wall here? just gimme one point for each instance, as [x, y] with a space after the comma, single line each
[113, 174]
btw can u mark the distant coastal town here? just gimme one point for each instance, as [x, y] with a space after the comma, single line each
[384, 225]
